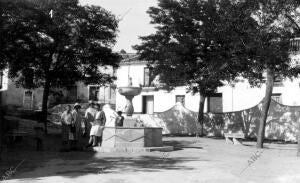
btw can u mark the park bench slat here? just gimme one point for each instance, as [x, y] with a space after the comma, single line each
[234, 135]
[235, 138]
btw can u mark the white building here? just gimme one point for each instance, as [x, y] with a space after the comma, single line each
[31, 99]
[152, 99]
[228, 98]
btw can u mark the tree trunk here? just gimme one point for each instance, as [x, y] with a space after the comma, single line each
[298, 152]
[201, 113]
[1, 129]
[45, 102]
[265, 108]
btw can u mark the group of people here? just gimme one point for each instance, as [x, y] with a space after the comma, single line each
[74, 126]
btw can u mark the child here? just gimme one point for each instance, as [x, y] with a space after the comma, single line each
[120, 119]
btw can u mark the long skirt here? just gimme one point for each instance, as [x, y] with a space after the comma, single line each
[97, 130]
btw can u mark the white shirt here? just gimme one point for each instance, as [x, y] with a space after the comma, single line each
[90, 114]
[67, 118]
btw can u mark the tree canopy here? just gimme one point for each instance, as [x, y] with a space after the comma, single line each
[54, 43]
[68, 46]
[276, 23]
[199, 44]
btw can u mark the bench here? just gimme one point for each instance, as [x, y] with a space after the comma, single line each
[235, 138]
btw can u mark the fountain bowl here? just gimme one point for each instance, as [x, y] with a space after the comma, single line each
[130, 90]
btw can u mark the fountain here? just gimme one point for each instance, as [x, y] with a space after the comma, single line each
[129, 138]
[129, 92]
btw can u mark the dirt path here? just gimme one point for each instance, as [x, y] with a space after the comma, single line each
[194, 160]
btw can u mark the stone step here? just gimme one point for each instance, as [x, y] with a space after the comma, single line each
[132, 149]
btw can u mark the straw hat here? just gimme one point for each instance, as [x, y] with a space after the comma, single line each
[77, 105]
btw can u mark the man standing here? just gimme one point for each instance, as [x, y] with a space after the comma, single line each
[77, 122]
[89, 116]
[66, 122]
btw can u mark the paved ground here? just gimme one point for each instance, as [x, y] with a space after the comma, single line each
[194, 160]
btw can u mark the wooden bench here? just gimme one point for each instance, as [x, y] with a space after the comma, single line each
[235, 138]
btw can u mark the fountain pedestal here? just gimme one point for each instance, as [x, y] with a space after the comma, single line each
[129, 92]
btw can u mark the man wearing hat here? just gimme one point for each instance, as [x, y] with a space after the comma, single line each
[77, 122]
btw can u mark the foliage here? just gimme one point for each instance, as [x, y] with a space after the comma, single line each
[197, 43]
[275, 25]
[67, 46]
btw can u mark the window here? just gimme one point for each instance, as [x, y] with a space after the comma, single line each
[215, 103]
[94, 93]
[277, 97]
[180, 98]
[104, 94]
[147, 76]
[294, 45]
[278, 80]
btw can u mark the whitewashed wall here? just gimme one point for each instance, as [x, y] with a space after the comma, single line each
[163, 100]
[236, 98]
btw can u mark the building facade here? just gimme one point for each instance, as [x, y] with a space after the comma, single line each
[231, 97]
[15, 97]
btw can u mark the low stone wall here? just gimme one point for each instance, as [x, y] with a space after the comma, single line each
[177, 120]
[282, 122]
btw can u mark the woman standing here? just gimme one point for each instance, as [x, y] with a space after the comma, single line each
[77, 123]
[97, 127]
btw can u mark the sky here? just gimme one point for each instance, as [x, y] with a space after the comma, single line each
[135, 22]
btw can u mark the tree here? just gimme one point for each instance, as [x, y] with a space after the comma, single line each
[276, 24]
[57, 43]
[197, 44]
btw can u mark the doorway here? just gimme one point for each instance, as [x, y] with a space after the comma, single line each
[28, 100]
[148, 104]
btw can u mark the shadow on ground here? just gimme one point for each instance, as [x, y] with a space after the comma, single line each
[182, 144]
[74, 164]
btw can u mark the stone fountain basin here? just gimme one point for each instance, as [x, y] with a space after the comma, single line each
[130, 91]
